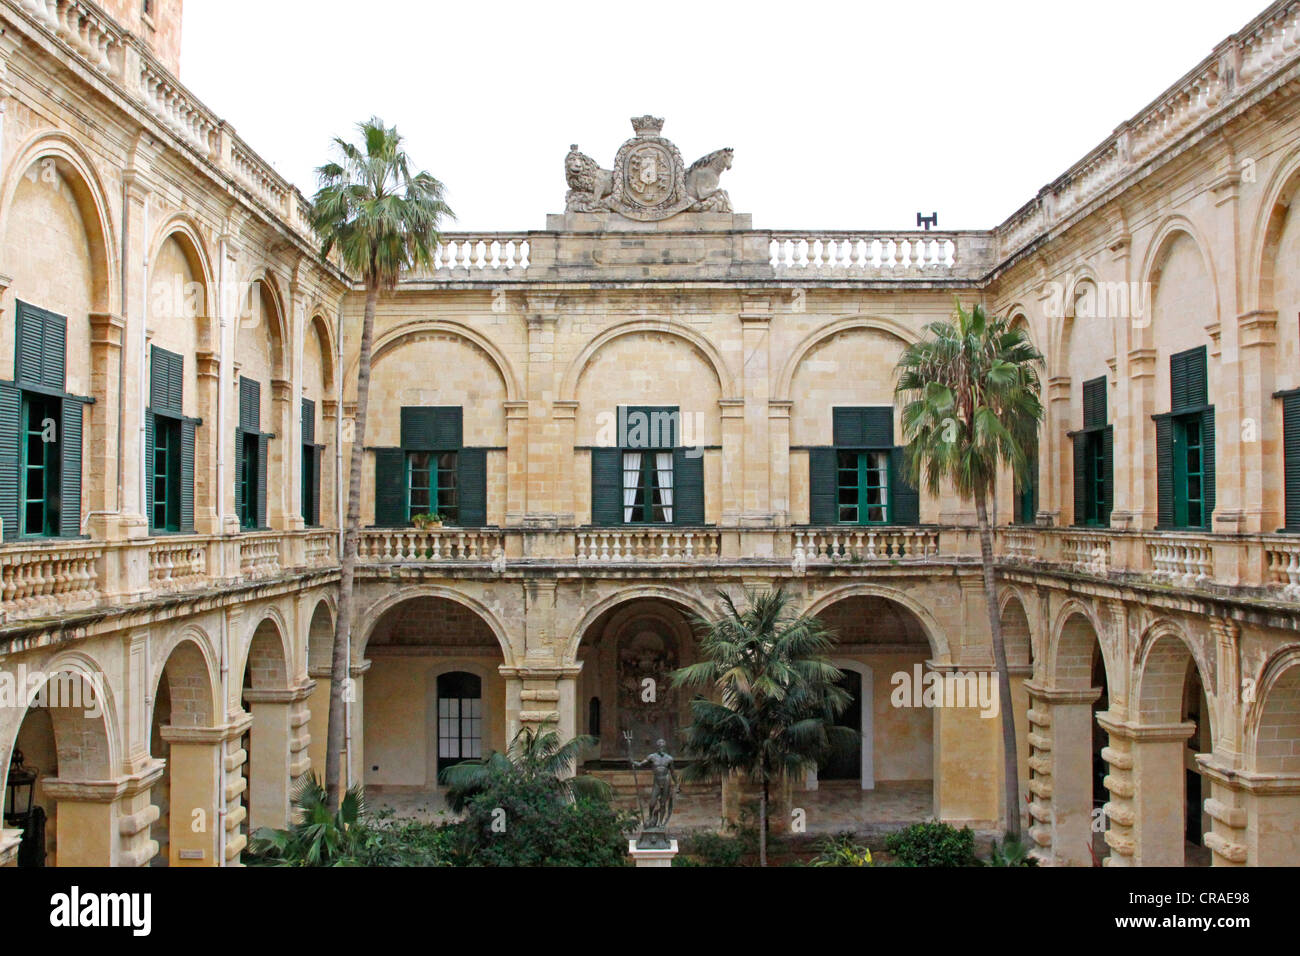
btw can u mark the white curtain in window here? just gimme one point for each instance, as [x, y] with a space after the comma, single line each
[664, 466]
[631, 481]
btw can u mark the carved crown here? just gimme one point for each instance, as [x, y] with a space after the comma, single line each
[647, 125]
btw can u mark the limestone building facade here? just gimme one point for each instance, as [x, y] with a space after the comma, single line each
[614, 417]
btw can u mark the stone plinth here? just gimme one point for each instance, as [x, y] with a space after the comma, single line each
[655, 857]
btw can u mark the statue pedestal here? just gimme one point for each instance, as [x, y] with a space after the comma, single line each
[652, 857]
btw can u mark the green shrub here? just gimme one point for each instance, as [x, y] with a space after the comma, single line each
[1010, 853]
[843, 849]
[933, 844]
[708, 848]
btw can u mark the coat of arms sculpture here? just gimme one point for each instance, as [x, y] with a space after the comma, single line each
[649, 181]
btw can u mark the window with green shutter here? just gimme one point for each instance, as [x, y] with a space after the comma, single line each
[861, 479]
[650, 478]
[312, 455]
[169, 446]
[41, 432]
[1185, 447]
[1094, 465]
[1026, 492]
[431, 472]
[251, 457]
[1291, 457]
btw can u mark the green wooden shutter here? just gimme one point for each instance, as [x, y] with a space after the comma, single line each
[318, 456]
[239, 485]
[432, 428]
[1188, 380]
[905, 498]
[606, 486]
[1164, 472]
[648, 426]
[166, 380]
[11, 410]
[1080, 440]
[28, 344]
[1094, 403]
[250, 405]
[70, 469]
[1207, 465]
[471, 482]
[188, 427]
[54, 360]
[822, 487]
[878, 427]
[390, 488]
[1108, 474]
[263, 443]
[688, 487]
[1290, 459]
[308, 422]
[150, 454]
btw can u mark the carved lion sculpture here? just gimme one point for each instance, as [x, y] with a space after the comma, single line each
[702, 182]
[589, 185]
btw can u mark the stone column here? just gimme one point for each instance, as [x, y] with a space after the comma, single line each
[278, 743]
[1154, 788]
[1142, 438]
[354, 743]
[778, 415]
[132, 520]
[1230, 804]
[105, 822]
[1054, 490]
[282, 514]
[107, 332]
[517, 459]
[195, 755]
[544, 454]
[331, 489]
[207, 443]
[233, 810]
[755, 326]
[1062, 745]
[1258, 436]
[733, 464]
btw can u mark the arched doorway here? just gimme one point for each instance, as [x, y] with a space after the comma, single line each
[186, 792]
[266, 696]
[434, 696]
[1018, 641]
[880, 643]
[1273, 839]
[1175, 722]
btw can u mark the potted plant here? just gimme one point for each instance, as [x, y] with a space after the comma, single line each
[427, 520]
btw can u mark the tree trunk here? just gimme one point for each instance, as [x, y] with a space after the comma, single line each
[1010, 764]
[762, 825]
[339, 676]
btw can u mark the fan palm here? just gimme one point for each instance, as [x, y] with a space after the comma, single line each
[972, 405]
[533, 756]
[319, 837]
[775, 696]
[381, 218]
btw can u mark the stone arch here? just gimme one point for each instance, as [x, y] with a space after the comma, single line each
[375, 613]
[267, 652]
[319, 326]
[78, 170]
[185, 660]
[1269, 224]
[394, 337]
[1160, 672]
[1169, 231]
[320, 637]
[188, 235]
[88, 745]
[820, 335]
[1017, 635]
[262, 280]
[641, 592]
[573, 374]
[1067, 325]
[939, 649]
[1272, 734]
[1070, 655]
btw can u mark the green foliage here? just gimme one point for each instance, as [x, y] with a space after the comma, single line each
[843, 849]
[707, 848]
[933, 844]
[971, 396]
[520, 822]
[774, 698]
[532, 756]
[1011, 852]
[379, 216]
[318, 838]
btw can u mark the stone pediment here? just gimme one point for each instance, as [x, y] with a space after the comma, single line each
[649, 184]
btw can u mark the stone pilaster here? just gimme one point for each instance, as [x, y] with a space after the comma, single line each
[105, 822]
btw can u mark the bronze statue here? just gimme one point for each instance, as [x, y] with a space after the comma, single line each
[664, 787]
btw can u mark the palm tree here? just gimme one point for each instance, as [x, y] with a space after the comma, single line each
[775, 697]
[382, 219]
[318, 837]
[971, 392]
[534, 756]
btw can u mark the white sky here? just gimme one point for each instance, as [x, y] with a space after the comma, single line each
[842, 114]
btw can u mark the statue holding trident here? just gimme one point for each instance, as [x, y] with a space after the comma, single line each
[664, 787]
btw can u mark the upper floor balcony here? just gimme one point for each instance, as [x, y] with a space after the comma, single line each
[60, 582]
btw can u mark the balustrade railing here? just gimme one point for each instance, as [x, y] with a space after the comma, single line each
[42, 579]
[1183, 560]
[259, 554]
[648, 544]
[409, 545]
[884, 544]
[178, 563]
